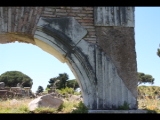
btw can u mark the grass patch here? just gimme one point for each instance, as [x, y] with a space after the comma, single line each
[14, 106]
[80, 108]
[45, 110]
[67, 107]
[125, 106]
[21, 106]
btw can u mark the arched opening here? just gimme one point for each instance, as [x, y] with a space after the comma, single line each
[94, 70]
[63, 48]
[32, 61]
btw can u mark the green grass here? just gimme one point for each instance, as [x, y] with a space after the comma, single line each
[45, 110]
[151, 105]
[80, 108]
[11, 106]
[21, 105]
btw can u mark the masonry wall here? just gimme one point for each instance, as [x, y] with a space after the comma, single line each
[114, 42]
[84, 15]
[24, 19]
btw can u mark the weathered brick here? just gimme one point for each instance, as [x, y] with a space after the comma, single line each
[48, 15]
[87, 36]
[62, 7]
[89, 11]
[88, 8]
[86, 24]
[56, 7]
[92, 36]
[76, 11]
[68, 10]
[68, 7]
[72, 14]
[91, 33]
[89, 27]
[63, 14]
[84, 15]
[78, 18]
[59, 16]
[90, 15]
[76, 8]
[81, 15]
[88, 18]
[47, 12]
[90, 39]
[60, 10]
[85, 20]
[83, 11]
[49, 9]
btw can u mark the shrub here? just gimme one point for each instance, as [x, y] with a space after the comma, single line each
[66, 90]
[67, 106]
[81, 108]
[125, 106]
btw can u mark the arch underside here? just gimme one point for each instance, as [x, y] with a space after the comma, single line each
[101, 86]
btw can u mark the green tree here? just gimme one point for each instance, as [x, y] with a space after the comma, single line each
[63, 80]
[12, 78]
[40, 89]
[158, 52]
[51, 82]
[72, 84]
[145, 78]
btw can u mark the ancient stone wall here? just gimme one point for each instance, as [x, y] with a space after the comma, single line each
[19, 23]
[24, 19]
[119, 44]
[96, 42]
[84, 15]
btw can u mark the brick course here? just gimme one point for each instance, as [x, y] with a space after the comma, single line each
[84, 15]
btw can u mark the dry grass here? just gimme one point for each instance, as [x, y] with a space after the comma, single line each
[45, 110]
[149, 104]
[67, 106]
[14, 106]
[149, 101]
[21, 106]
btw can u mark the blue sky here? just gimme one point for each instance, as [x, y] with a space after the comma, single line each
[41, 66]
[147, 37]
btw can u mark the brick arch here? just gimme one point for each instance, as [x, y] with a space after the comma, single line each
[18, 23]
[60, 33]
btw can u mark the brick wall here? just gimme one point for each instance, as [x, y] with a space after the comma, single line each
[84, 15]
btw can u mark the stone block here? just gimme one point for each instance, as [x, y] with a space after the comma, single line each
[45, 101]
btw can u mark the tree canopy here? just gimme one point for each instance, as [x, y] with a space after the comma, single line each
[40, 89]
[158, 52]
[12, 78]
[145, 78]
[72, 84]
[63, 82]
